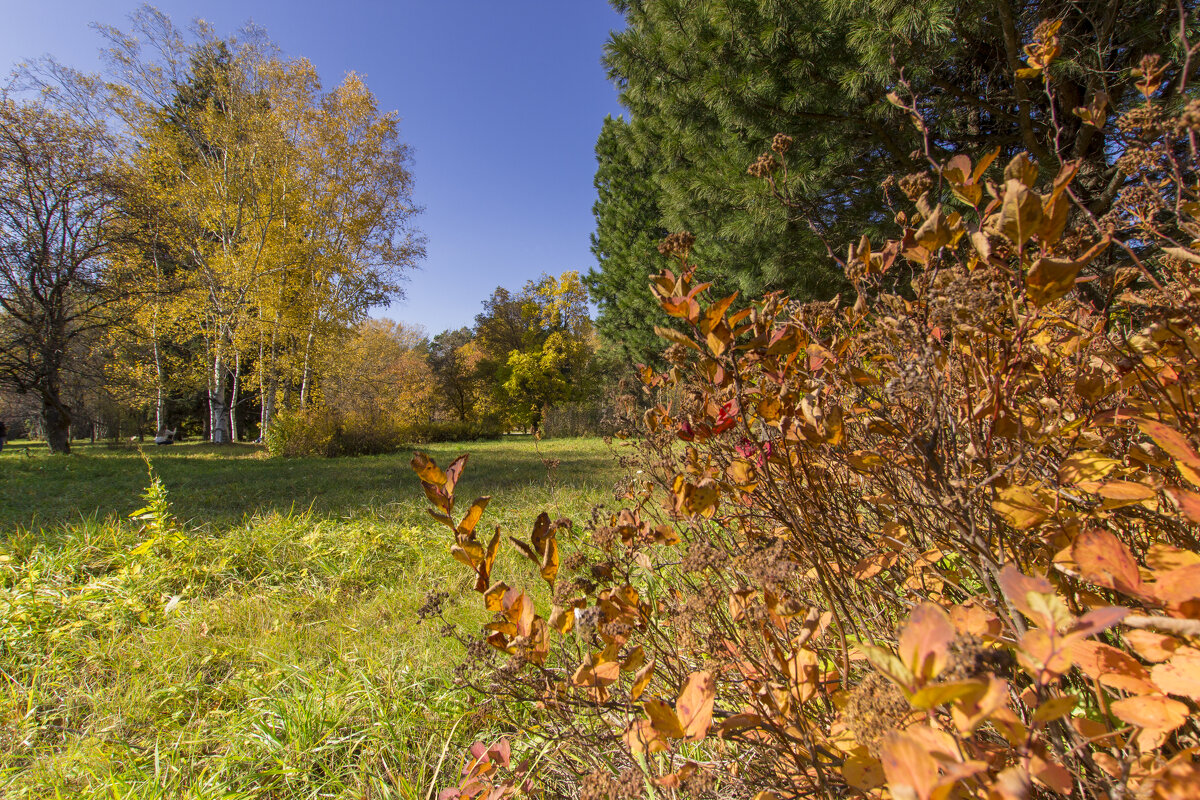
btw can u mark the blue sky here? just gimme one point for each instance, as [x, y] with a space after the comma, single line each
[501, 102]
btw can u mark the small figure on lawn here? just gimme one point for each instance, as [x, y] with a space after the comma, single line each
[165, 436]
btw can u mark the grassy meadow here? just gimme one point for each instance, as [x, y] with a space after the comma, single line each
[260, 642]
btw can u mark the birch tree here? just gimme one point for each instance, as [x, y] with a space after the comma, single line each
[293, 208]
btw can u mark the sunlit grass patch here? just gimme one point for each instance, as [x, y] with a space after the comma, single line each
[275, 652]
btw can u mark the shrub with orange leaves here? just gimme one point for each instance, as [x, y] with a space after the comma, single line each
[940, 543]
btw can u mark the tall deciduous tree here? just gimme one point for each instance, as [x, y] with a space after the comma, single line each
[291, 208]
[58, 224]
[454, 369]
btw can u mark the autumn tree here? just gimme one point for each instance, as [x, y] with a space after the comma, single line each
[381, 373]
[453, 357]
[355, 208]
[58, 225]
[536, 345]
[291, 208]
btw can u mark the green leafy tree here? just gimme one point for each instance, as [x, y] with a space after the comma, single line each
[535, 346]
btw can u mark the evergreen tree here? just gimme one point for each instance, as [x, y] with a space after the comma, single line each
[710, 82]
[627, 233]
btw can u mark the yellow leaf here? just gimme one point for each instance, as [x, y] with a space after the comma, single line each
[1021, 506]
[663, 718]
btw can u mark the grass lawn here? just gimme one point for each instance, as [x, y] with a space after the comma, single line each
[265, 644]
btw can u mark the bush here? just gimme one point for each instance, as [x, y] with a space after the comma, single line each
[945, 542]
[320, 431]
[454, 431]
[326, 433]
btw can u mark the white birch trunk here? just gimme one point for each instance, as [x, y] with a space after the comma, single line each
[233, 397]
[218, 399]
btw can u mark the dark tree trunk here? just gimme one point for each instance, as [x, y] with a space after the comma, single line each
[56, 419]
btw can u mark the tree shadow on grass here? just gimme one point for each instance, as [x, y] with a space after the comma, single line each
[217, 486]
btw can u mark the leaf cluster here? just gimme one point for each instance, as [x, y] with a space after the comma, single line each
[942, 542]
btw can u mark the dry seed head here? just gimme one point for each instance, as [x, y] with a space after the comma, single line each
[916, 184]
[763, 166]
[679, 244]
[1189, 119]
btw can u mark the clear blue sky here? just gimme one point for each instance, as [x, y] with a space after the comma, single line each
[501, 102]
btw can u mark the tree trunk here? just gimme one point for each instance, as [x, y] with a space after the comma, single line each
[218, 403]
[233, 397]
[56, 421]
[160, 400]
[268, 406]
[307, 374]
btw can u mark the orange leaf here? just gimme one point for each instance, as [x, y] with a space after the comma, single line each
[1156, 712]
[1045, 657]
[863, 771]
[641, 738]
[1112, 667]
[1154, 647]
[1021, 506]
[663, 718]
[925, 641]
[454, 471]
[1164, 557]
[874, 564]
[1181, 675]
[641, 679]
[1188, 502]
[467, 526]
[427, 469]
[1086, 466]
[1172, 441]
[803, 674]
[1104, 560]
[1179, 588]
[908, 766]
[695, 705]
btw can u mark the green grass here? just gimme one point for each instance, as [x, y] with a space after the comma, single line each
[269, 648]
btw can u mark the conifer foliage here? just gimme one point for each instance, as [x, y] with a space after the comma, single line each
[708, 84]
